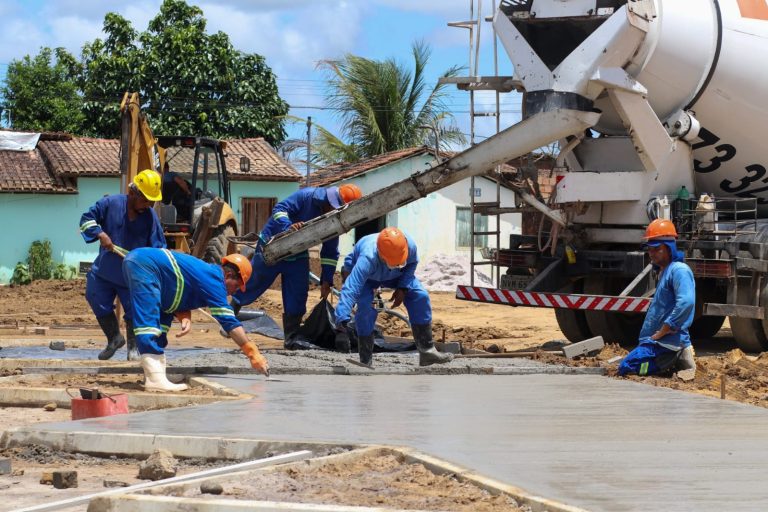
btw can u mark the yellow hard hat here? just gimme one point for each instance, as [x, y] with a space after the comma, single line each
[150, 184]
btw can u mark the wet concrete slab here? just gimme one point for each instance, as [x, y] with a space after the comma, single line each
[588, 441]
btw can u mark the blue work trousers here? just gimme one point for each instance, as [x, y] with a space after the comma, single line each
[294, 283]
[150, 323]
[101, 294]
[416, 303]
[645, 358]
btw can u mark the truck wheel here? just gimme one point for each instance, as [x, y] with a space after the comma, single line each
[622, 328]
[572, 322]
[704, 327]
[218, 246]
[748, 332]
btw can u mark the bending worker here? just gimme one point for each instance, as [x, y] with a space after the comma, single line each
[163, 283]
[120, 223]
[290, 214]
[664, 339]
[386, 259]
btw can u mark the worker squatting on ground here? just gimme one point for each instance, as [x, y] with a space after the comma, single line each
[291, 213]
[163, 283]
[120, 223]
[664, 339]
[387, 259]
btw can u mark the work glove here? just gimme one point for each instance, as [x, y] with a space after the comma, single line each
[258, 361]
[185, 319]
[397, 297]
[342, 338]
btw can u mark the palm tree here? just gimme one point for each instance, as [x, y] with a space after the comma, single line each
[384, 106]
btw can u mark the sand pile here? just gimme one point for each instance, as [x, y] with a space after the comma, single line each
[444, 272]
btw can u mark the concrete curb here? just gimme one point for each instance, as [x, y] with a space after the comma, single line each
[142, 445]
[139, 401]
[157, 503]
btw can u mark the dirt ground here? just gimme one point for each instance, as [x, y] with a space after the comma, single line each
[109, 384]
[370, 481]
[61, 306]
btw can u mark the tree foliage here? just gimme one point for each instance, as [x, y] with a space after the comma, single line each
[385, 106]
[190, 82]
[40, 93]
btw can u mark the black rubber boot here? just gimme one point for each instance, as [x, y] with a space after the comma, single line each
[291, 324]
[341, 341]
[365, 349]
[115, 340]
[133, 351]
[428, 354]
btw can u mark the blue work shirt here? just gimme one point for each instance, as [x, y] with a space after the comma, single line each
[673, 304]
[186, 283]
[110, 215]
[364, 265]
[303, 206]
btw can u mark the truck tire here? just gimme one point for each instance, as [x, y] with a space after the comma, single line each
[705, 327]
[748, 332]
[621, 328]
[219, 246]
[572, 322]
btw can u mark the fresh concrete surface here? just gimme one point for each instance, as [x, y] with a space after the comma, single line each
[592, 442]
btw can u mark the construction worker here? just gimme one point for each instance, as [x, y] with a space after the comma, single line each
[290, 214]
[120, 223]
[387, 259]
[664, 340]
[163, 283]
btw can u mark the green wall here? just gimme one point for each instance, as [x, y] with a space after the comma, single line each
[30, 217]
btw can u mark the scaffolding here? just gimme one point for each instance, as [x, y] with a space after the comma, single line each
[476, 82]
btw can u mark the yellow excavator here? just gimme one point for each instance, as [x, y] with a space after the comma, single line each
[196, 217]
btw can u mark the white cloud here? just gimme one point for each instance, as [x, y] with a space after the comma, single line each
[19, 38]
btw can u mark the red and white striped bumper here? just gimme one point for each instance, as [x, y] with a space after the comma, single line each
[553, 300]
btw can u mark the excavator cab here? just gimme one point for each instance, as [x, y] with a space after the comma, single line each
[195, 213]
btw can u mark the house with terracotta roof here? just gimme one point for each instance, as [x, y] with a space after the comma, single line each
[48, 180]
[440, 222]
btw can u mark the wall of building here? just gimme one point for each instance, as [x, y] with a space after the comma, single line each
[431, 221]
[30, 217]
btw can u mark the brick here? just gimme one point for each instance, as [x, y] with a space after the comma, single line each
[583, 347]
[64, 479]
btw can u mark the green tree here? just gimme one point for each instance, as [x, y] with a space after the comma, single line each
[384, 106]
[41, 92]
[190, 82]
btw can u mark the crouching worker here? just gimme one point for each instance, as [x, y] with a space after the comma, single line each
[386, 259]
[664, 340]
[163, 283]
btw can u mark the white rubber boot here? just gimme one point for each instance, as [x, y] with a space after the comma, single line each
[154, 374]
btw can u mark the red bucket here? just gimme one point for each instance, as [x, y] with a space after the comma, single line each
[100, 405]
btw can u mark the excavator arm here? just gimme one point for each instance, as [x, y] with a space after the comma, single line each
[138, 146]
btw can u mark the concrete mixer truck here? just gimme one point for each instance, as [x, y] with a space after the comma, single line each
[658, 107]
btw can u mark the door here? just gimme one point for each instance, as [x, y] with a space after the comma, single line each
[256, 212]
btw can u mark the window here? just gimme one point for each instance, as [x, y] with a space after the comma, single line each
[255, 213]
[464, 229]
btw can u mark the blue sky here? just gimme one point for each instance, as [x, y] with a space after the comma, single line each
[293, 35]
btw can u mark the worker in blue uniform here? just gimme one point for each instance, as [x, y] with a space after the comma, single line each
[120, 223]
[290, 214]
[163, 284]
[387, 259]
[664, 339]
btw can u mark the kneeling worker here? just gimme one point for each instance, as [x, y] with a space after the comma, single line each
[664, 338]
[163, 283]
[386, 259]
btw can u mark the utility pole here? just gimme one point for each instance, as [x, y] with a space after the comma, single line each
[309, 146]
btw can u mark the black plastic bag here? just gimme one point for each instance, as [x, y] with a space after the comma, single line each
[259, 322]
[318, 330]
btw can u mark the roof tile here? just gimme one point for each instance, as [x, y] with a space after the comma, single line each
[345, 170]
[25, 171]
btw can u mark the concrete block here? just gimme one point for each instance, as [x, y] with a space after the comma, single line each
[41, 330]
[5, 466]
[64, 479]
[450, 347]
[57, 345]
[583, 347]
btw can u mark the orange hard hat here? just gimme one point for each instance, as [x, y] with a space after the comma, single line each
[244, 267]
[393, 247]
[350, 192]
[660, 229]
